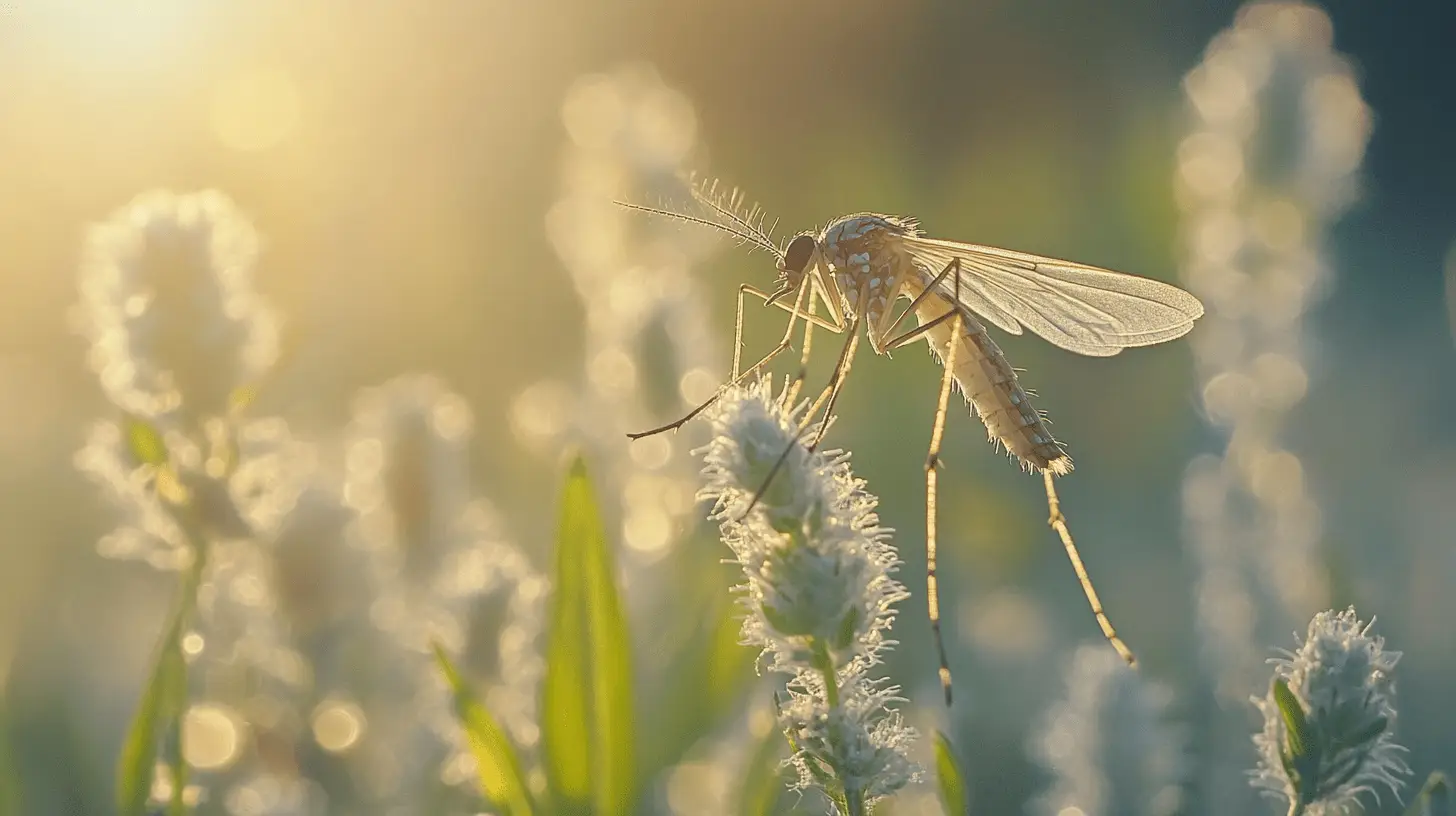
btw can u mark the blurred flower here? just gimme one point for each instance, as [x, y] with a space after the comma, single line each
[1278, 133]
[1339, 742]
[169, 306]
[244, 492]
[435, 557]
[649, 341]
[819, 592]
[176, 331]
[1108, 744]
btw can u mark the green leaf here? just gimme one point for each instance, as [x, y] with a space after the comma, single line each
[144, 441]
[1434, 798]
[164, 699]
[1296, 727]
[587, 694]
[501, 780]
[952, 785]
[161, 704]
[177, 766]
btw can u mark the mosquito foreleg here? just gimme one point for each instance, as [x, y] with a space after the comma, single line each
[840, 375]
[791, 390]
[738, 377]
[836, 379]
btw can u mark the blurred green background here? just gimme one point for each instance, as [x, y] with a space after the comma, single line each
[399, 161]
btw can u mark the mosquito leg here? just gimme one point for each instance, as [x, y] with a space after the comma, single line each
[953, 266]
[838, 384]
[737, 377]
[738, 333]
[932, 463]
[915, 333]
[836, 379]
[791, 392]
[1058, 522]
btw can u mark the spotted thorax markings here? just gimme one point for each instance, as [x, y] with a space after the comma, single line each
[870, 266]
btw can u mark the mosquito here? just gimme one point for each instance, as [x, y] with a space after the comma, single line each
[859, 266]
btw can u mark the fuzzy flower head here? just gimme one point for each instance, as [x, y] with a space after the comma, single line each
[433, 550]
[239, 495]
[818, 565]
[818, 590]
[1329, 717]
[169, 306]
[863, 743]
[1108, 743]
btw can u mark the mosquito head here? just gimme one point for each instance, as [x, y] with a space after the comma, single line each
[798, 257]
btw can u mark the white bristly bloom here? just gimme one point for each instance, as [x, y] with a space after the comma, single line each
[819, 593]
[1108, 744]
[1341, 678]
[169, 306]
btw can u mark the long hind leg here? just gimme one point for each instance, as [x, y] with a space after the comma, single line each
[1058, 522]
[932, 464]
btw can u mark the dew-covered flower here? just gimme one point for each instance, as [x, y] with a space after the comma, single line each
[865, 742]
[1340, 743]
[818, 590]
[1108, 743]
[169, 306]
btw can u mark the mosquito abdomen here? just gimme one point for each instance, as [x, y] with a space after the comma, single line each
[990, 385]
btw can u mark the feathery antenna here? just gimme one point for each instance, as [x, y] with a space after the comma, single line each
[726, 210]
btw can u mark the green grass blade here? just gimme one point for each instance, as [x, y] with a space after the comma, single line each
[164, 699]
[565, 695]
[587, 693]
[161, 703]
[950, 783]
[611, 654]
[501, 780]
[1434, 798]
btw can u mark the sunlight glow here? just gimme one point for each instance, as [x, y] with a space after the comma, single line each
[255, 109]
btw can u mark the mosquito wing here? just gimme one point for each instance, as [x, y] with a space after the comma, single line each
[1083, 309]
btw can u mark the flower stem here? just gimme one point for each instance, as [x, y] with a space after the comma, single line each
[825, 664]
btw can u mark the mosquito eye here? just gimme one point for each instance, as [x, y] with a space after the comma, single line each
[796, 257]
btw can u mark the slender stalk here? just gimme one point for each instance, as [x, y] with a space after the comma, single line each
[825, 664]
[186, 606]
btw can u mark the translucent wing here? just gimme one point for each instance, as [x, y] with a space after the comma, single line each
[1083, 309]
